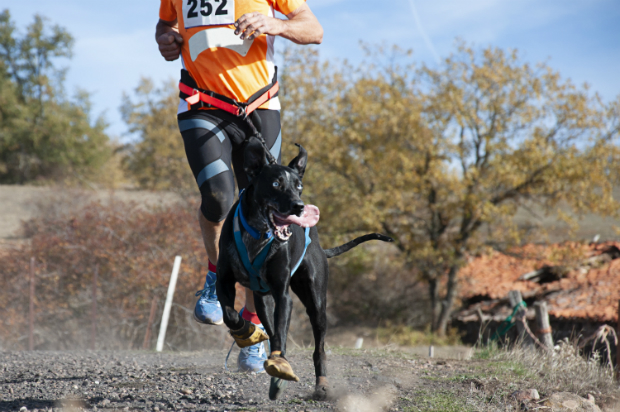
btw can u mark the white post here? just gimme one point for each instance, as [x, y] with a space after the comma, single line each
[168, 305]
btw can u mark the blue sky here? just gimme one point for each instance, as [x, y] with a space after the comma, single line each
[115, 39]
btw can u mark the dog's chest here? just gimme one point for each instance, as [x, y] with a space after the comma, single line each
[254, 248]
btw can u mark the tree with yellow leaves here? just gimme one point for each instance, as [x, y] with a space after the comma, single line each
[441, 159]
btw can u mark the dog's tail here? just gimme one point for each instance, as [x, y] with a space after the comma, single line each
[339, 250]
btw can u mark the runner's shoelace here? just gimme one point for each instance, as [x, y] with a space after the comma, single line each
[209, 293]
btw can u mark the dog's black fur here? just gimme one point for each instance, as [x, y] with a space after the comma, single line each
[310, 280]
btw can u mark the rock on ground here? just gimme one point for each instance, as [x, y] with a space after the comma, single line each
[569, 402]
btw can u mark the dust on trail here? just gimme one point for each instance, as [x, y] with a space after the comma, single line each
[381, 399]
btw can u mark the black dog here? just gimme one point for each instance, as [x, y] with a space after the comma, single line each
[273, 214]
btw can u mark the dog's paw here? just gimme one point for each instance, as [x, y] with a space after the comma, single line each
[321, 391]
[249, 337]
[279, 367]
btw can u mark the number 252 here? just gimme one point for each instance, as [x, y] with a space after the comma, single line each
[209, 8]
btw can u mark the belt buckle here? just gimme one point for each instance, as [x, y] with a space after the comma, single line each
[242, 112]
[189, 99]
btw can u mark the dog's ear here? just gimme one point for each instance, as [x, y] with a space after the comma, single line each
[254, 157]
[300, 161]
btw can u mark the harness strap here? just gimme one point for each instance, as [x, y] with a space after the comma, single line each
[265, 97]
[253, 232]
[253, 268]
[306, 244]
[257, 284]
[193, 95]
[196, 96]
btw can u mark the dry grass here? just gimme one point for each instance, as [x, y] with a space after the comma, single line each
[564, 369]
[484, 383]
[133, 246]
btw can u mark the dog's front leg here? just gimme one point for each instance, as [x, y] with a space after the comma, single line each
[225, 287]
[281, 317]
[243, 332]
[265, 307]
[277, 365]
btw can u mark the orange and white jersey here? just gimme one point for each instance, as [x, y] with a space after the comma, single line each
[215, 57]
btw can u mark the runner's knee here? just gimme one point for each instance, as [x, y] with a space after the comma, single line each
[217, 194]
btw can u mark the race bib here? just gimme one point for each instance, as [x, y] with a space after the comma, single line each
[208, 12]
[217, 37]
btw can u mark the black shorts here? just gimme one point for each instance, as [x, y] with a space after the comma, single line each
[214, 147]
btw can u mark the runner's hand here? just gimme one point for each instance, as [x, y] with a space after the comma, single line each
[252, 25]
[170, 45]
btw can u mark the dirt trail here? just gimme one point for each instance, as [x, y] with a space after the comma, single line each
[361, 381]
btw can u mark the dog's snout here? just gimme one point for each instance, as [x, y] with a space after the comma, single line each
[297, 207]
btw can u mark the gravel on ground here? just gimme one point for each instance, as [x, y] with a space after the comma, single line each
[197, 381]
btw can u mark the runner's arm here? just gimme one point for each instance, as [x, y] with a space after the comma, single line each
[168, 38]
[302, 26]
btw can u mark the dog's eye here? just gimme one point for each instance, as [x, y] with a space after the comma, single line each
[300, 186]
[276, 184]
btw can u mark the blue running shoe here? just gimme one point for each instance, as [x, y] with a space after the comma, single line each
[208, 309]
[251, 359]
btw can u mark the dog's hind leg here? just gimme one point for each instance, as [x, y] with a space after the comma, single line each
[312, 291]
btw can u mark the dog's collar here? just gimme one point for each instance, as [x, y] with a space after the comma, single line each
[253, 232]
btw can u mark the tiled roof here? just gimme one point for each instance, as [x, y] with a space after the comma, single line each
[588, 285]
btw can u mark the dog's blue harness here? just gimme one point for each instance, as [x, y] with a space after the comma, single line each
[253, 268]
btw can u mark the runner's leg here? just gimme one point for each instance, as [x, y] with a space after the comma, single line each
[208, 151]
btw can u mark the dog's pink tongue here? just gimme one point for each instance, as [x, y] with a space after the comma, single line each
[308, 218]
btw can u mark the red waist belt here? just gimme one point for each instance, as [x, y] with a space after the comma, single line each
[221, 102]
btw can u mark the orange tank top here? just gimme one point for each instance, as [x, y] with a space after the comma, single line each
[215, 57]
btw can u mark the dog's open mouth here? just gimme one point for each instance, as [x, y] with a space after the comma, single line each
[281, 223]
